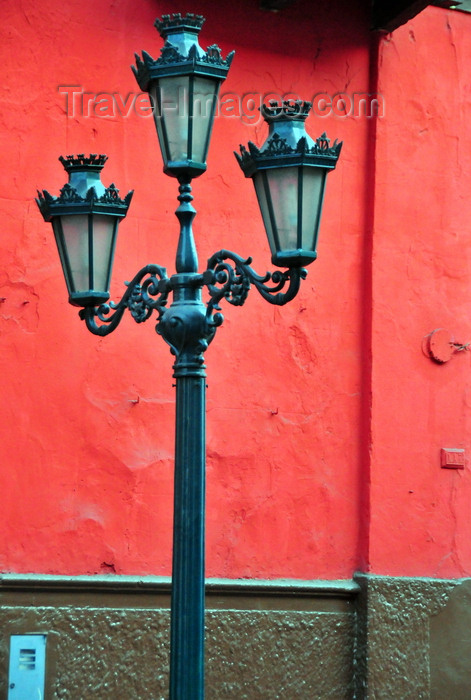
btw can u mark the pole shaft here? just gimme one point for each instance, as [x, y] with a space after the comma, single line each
[187, 603]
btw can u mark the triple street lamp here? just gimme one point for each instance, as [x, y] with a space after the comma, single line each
[289, 173]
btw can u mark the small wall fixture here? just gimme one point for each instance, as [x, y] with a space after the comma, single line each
[27, 668]
[452, 457]
[440, 346]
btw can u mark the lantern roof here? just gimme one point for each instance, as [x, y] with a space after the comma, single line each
[288, 144]
[84, 193]
[181, 54]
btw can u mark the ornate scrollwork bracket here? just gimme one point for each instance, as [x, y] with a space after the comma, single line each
[230, 277]
[188, 326]
[141, 298]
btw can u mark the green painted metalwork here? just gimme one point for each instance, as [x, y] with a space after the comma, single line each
[187, 324]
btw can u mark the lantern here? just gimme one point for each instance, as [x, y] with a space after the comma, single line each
[85, 220]
[289, 173]
[183, 85]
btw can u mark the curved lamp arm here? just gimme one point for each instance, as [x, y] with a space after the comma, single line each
[230, 276]
[141, 298]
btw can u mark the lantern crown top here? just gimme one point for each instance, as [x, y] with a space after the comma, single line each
[84, 173]
[292, 110]
[84, 193]
[288, 143]
[93, 162]
[169, 24]
[181, 54]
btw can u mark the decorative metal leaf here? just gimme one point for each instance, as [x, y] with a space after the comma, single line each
[91, 195]
[213, 54]
[67, 195]
[323, 142]
[111, 195]
[277, 146]
[148, 60]
[44, 196]
[170, 54]
[193, 52]
[322, 146]
[302, 146]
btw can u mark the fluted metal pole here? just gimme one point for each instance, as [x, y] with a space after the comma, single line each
[187, 614]
[186, 329]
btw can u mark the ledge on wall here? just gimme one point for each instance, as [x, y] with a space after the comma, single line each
[386, 15]
[154, 591]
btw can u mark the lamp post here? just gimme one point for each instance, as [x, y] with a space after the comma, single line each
[289, 173]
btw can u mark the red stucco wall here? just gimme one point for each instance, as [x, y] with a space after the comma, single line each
[87, 429]
[421, 263]
[307, 435]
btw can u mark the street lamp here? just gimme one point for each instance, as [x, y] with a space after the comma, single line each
[289, 173]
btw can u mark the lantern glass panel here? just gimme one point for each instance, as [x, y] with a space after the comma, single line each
[313, 186]
[57, 228]
[89, 252]
[291, 201]
[283, 186]
[204, 102]
[75, 231]
[171, 116]
[183, 111]
[104, 230]
[261, 185]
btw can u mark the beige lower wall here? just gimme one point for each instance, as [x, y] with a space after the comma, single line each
[380, 638]
[111, 642]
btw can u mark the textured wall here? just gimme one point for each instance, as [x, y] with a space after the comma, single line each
[397, 639]
[450, 646]
[394, 656]
[325, 419]
[115, 647]
[116, 655]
